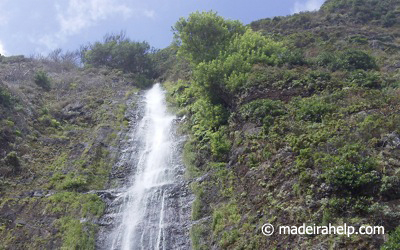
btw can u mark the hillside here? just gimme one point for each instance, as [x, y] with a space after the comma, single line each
[289, 120]
[297, 125]
[61, 125]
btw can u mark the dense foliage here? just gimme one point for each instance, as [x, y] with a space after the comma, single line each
[119, 52]
[292, 123]
[42, 80]
[5, 96]
[204, 35]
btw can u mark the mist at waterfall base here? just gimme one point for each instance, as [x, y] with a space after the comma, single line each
[152, 210]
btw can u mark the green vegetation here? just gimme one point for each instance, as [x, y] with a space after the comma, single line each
[291, 121]
[119, 52]
[77, 235]
[57, 145]
[42, 80]
[394, 240]
[86, 205]
[365, 11]
[5, 96]
[204, 35]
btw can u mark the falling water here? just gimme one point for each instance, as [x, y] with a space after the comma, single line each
[153, 210]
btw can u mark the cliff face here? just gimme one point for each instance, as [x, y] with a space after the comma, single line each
[292, 121]
[309, 136]
[59, 136]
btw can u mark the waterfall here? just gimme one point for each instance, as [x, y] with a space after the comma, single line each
[153, 209]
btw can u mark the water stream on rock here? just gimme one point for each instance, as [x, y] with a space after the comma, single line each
[152, 211]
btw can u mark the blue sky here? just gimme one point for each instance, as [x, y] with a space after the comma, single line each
[39, 26]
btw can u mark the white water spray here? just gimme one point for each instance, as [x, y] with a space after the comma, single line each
[150, 217]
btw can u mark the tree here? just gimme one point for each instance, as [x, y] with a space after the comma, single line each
[203, 35]
[117, 51]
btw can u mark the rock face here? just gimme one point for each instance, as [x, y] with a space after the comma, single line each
[391, 141]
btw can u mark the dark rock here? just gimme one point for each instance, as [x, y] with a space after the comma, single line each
[391, 140]
[20, 222]
[39, 193]
[25, 194]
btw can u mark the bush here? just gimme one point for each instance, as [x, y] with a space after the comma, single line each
[197, 232]
[260, 111]
[368, 79]
[10, 165]
[327, 59]
[394, 240]
[207, 116]
[5, 97]
[76, 235]
[356, 59]
[119, 52]
[315, 81]
[351, 172]
[202, 36]
[294, 57]
[390, 188]
[42, 80]
[313, 109]
[353, 178]
[351, 59]
[220, 145]
[70, 182]
[225, 216]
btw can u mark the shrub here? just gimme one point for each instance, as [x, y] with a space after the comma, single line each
[76, 235]
[394, 240]
[351, 172]
[327, 59]
[42, 80]
[390, 187]
[225, 216]
[220, 145]
[350, 59]
[72, 182]
[197, 204]
[5, 96]
[118, 52]
[261, 111]
[294, 57]
[197, 232]
[313, 109]
[315, 81]
[10, 165]
[356, 59]
[352, 177]
[368, 79]
[202, 36]
[207, 116]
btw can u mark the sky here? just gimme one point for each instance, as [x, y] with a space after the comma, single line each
[29, 27]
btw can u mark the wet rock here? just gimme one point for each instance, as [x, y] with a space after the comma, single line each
[54, 141]
[50, 193]
[25, 194]
[39, 193]
[77, 106]
[391, 141]
[20, 222]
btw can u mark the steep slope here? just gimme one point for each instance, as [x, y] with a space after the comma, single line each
[59, 134]
[301, 126]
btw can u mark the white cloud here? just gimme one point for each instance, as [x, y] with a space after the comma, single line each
[309, 5]
[83, 14]
[2, 50]
[80, 15]
[4, 13]
[3, 19]
[149, 13]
